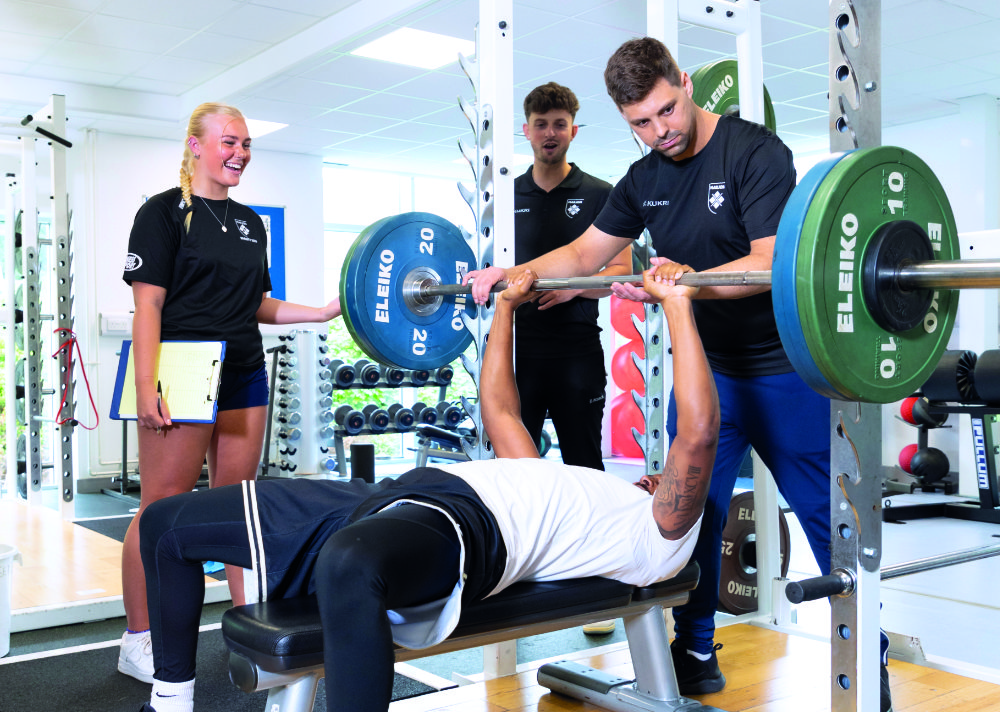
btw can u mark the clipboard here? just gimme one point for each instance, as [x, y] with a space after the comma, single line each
[188, 372]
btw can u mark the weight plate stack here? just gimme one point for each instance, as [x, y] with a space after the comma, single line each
[386, 260]
[857, 358]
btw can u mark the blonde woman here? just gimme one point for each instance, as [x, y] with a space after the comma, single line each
[197, 265]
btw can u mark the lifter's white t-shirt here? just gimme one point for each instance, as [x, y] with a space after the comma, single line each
[561, 522]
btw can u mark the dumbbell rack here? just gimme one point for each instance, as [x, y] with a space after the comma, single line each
[303, 414]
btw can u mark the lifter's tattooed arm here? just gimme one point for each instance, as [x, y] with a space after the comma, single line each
[680, 492]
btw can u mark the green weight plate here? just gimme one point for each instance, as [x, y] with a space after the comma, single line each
[386, 261]
[717, 89]
[861, 360]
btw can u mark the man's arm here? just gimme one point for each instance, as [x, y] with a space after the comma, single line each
[499, 402]
[583, 257]
[680, 495]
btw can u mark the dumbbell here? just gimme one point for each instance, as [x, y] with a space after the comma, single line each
[288, 389]
[420, 376]
[342, 374]
[402, 418]
[350, 419]
[286, 374]
[378, 418]
[393, 376]
[289, 403]
[425, 414]
[926, 464]
[293, 418]
[450, 414]
[286, 361]
[368, 373]
[915, 411]
[290, 434]
[444, 375]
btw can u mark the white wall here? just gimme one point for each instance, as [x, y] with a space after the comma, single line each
[121, 170]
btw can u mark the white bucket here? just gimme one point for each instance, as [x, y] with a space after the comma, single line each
[8, 555]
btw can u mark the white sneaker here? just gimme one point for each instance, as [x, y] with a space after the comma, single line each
[136, 656]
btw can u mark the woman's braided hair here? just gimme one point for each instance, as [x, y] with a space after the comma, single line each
[196, 127]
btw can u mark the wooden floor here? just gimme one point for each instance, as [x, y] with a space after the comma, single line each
[766, 671]
[62, 562]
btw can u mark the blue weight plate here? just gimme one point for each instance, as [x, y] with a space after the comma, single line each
[783, 277]
[380, 264]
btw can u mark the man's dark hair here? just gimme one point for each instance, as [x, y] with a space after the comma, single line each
[550, 97]
[635, 67]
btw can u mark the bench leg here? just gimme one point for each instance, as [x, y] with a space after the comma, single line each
[297, 696]
[655, 686]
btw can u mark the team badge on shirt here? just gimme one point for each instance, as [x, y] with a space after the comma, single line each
[715, 196]
[573, 207]
[241, 225]
[132, 262]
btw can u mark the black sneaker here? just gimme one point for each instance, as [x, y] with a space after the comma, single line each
[886, 705]
[694, 676]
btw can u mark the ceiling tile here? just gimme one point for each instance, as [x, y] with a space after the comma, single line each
[309, 92]
[370, 74]
[76, 56]
[218, 48]
[122, 33]
[264, 24]
[348, 122]
[316, 8]
[192, 14]
[284, 112]
[178, 69]
[925, 18]
[78, 74]
[27, 48]
[808, 14]
[393, 106]
[38, 20]
[579, 42]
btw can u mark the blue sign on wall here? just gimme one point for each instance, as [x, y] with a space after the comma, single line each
[274, 223]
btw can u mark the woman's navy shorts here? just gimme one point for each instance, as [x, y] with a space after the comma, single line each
[242, 387]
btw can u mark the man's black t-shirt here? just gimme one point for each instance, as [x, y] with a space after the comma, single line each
[705, 211]
[545, 221]
[215, 280]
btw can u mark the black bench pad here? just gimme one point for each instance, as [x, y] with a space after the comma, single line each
[285, 634]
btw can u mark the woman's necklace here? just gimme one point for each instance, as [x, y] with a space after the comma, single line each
[221, 222]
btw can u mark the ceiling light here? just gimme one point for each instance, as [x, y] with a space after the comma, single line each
[258, 128]
[416, 48]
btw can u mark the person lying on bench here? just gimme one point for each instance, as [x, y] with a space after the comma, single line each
[395, 561]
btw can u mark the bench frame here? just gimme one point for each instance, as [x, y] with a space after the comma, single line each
[292, 688]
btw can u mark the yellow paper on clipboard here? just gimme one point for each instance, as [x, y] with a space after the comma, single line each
[188, 373]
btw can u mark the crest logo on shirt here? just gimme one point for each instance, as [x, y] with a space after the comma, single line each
[715, 196]
[573, 207]
[241, 225]
[132, 262]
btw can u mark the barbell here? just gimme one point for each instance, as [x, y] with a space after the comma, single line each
[864, 279]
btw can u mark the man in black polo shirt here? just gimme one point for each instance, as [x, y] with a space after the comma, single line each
[560, 362]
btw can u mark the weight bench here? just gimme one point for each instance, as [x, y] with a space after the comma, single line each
[278, 645]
